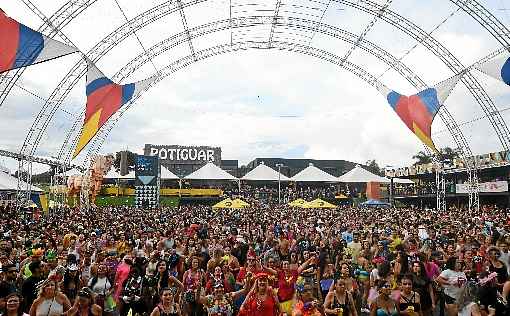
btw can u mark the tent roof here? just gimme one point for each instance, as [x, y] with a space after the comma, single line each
[318, 203]
[264, 173]
[167, 174]
[210, 172]
[403, 181]
[358, 174]
[72, 172]
[112, 174]
[298, 203]
[10, 183]
[313, 174]
[375, 203]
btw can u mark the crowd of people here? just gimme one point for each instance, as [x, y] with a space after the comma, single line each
[262, 260]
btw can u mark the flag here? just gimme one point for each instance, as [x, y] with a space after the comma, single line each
[21, 46]
[41, 200]
[498, 68]
[418, 111]
[104, 98]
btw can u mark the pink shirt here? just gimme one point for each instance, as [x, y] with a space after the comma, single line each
[432, 270]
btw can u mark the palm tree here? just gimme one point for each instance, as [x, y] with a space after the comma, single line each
[448, 154]
[422, 158]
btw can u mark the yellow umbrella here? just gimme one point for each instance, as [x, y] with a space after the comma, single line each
[226, 203]
[298, 203]
[318, 203]
[341, 196]
[238, 203]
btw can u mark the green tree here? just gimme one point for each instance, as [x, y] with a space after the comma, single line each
[422, 157]
[130, 161]
[448, 154]
[373, 167]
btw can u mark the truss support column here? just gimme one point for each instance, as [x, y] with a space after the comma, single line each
[273, 25]
[473, 189]
[440, 188]
[186, 29]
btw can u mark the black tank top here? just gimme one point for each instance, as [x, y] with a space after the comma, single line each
[162, 312]
[89, 312]
[337, 304]
[410, 302]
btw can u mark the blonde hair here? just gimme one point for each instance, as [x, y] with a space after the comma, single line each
[45, 283]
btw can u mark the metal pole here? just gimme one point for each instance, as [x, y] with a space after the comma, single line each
[391, 191]
[279, 188]
[279, 165]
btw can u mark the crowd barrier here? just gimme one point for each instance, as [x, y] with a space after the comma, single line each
[166, 192]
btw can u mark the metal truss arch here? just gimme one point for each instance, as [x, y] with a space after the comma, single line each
[216, 26]
[45, 115]
[157, 12]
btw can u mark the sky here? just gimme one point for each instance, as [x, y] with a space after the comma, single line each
[262, 102]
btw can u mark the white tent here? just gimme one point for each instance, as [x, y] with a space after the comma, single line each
[313, 174]
[403, 181]
[112, 174]
[264, 173]
[167, 174]
[210, 172]
[358, 174]
[10, 183]
[72, 172]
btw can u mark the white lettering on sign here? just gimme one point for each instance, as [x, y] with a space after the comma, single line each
[201, 155]
[183, 153]
[193, 154]
[163, 153]
[210, 155]
[172, 150]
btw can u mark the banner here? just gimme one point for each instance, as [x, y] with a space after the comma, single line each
[487, 187]
[147, 175]
[21, 46]
[490, 160]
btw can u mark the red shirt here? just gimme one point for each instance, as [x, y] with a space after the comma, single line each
[286, 285]
[242, 273]
[254, 307]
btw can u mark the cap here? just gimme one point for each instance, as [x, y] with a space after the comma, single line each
[251, 254]
[72, 267]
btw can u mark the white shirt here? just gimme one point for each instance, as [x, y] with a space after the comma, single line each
[101, 287]
[505, 257]
[455, 282]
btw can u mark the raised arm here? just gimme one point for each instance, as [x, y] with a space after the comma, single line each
[304, 265]
[176, 281]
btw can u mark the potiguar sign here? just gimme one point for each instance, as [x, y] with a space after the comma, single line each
[177, 154]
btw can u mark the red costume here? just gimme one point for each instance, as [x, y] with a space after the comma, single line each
[256, 307]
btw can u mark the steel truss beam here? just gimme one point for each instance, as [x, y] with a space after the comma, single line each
[292, 23]
[50, 28]
[487, 20]
[186, 29]
[46, 113]
[41, 160]
[367, 29]
[273, 25]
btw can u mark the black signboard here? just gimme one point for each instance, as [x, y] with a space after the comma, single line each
[147, 175]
